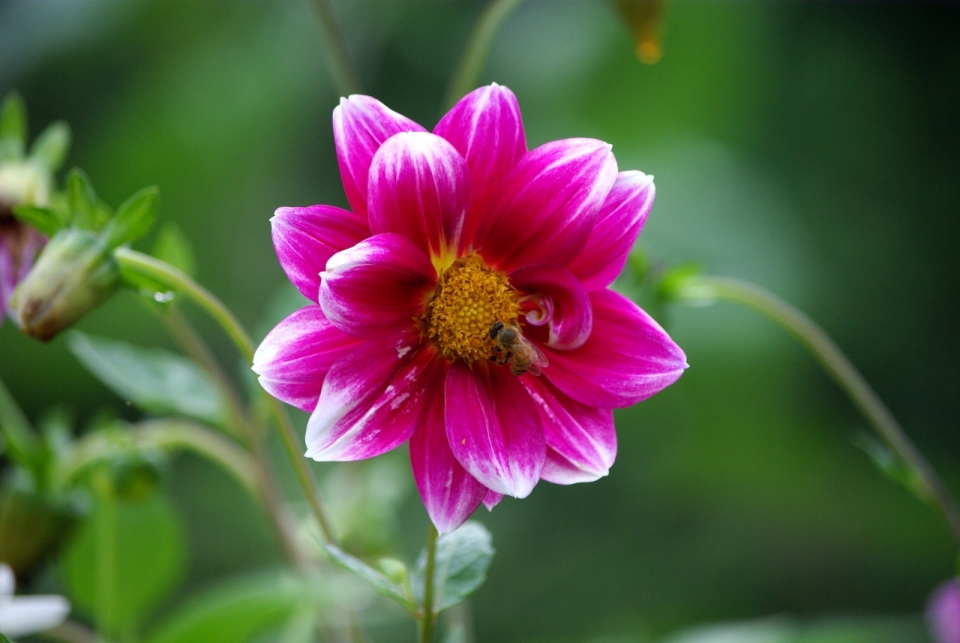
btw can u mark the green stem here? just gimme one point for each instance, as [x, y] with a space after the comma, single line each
[826, 351]
[427, 617]
[478, 46]
[338, 60]
[138, 263]
[22, 443]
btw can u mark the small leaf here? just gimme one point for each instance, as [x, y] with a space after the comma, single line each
[380, 582]
[123, 561]
[156, 380]
[52, 145]
[85, 208]
[463, 557]
[13, 123]
[46, 220]
[134, 218]
[173, 247]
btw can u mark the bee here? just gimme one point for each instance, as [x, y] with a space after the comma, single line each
[513, 347]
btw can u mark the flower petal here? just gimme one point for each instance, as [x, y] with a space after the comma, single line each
[19, 246]
[492, 499]
[379, 285]
[627, 358]
[305, 238]
[581, 439]
[562, 304]
[494, 428]
[449, 493]
[619, 221]
[372, 399]
[486, 128]
[295, 356]
[546, 206]
[360, 126]
[24, 615]
[420, 187]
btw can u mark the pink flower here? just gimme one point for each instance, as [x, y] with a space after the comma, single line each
[451, 232]
[943, 612]
[20, 182]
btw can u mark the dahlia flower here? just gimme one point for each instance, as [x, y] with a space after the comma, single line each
[454, 236]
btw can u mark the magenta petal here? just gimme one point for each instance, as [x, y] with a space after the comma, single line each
[562, 304]
[305, 238]
[295, 356]
[627, 358]
[449, 493]
[494, 428]
[546, 206]
[492, 499]
[19, 246]
[420, 187]
[486, 128]
[379, 285]
[619, 221]
[581, 439]
[372, 400]
[360, 126]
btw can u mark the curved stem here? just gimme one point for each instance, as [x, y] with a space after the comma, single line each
[338, 60]
[478, 46]
[826, 351]
[426, 619]
[137, 263]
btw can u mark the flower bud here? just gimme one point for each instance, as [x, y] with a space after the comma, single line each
[75, 273]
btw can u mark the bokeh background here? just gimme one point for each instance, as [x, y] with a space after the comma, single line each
[813, 148]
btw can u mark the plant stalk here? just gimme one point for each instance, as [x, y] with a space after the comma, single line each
[427, 618]
[338, 60]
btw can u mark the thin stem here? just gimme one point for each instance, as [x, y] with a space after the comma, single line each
[138, 263]
[427, 617]
[338, 60]
[478, 46]
[826, 351]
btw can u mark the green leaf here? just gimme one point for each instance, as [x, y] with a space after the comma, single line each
[46, 220]
[463, 557]
[240, 609]
[134, 218]
[173, 247]
[124, 561]
[4, 639]
[380, 582]
[52, 145]
[13, 123]
[86, 211]
[156, 380]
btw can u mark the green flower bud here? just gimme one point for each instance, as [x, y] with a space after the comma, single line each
[75, 273]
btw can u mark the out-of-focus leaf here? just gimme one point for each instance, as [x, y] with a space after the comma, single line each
[455, 634]
[156, 380]
[31, 525]
[379, 580]
[124, 560]
[86, 210]
[134, 218]
[13, 123]
[462, 561]
[833, 630]
[52, 145]
[239, 609]
[173, 247]
[4, 639]
[46, 220]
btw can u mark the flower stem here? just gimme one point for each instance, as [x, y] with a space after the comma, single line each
[137, 263]
[826, 351]
[426, 620]
[478, 46]
[338, 60]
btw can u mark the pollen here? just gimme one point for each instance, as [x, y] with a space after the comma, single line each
[469, 298]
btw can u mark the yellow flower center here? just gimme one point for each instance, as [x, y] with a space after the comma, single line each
[469, 298]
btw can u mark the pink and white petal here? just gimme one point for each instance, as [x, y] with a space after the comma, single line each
[546, 206]
[619, 221]
[627, 358]
[294, 357]
[582, 438]
[371, 401]
[563, 304]
[492, 499]
[494, 428]
[305, 238]
[486, 128]
[360, 126]
[449, 493]
[420, 187]
[378, 286]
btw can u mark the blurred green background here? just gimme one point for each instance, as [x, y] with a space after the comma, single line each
[813, 148]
